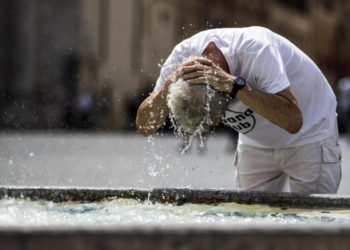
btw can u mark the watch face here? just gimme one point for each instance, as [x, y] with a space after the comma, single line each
[240, 81]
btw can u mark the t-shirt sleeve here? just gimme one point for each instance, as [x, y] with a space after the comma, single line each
[171, 64]
[269, 71]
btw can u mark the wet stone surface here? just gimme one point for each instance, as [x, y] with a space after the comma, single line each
[179, 196]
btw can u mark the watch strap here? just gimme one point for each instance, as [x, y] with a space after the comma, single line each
[238, 83]
[234, 90]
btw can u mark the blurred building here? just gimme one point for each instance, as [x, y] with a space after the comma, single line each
[90, 63]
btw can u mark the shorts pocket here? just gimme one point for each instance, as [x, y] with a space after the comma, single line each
[331, 153]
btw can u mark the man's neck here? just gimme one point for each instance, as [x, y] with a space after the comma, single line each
[213, 53]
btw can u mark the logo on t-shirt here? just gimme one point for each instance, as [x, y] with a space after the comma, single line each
[242, 122]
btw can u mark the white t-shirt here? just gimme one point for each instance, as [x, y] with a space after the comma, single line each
[269, 63]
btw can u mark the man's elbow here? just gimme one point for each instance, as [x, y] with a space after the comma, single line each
[145, 130]
[142, 129]
[144, 133]
[297, 122]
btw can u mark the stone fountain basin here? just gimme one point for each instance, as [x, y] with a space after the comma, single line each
[179, 236]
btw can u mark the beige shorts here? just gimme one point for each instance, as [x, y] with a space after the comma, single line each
[311, 168]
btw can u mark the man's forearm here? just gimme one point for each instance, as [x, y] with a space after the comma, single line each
[153, 112]
[279, 108]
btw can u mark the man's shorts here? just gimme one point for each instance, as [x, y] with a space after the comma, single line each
[311, 168]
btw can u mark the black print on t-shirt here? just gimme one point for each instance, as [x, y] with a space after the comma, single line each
[243, 122]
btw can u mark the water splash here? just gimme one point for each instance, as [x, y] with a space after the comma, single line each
[153, 171]
[156, 161]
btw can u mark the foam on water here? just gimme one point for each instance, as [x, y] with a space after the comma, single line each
[17, 212]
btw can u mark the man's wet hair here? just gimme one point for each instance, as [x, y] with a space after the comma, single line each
[188, 104]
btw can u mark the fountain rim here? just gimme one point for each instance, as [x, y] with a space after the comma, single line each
[178, 196]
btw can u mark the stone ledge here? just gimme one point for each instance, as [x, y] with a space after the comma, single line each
[179, 196]
[134, 238]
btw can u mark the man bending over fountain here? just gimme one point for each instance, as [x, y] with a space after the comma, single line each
[280, 103]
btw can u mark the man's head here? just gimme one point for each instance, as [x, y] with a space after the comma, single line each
[193, 106]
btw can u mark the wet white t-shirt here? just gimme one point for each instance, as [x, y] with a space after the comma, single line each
[269, 63]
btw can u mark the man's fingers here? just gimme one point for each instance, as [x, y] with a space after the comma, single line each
[199, 80]
[186, 69]
[189, 63]
[193, 75]
[200, 67]
[205, 61]
[191, 66]
[196, 61]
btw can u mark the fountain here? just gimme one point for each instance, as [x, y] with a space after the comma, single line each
[224, 219]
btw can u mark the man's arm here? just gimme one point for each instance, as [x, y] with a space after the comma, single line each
[154, 110]
[281, 109]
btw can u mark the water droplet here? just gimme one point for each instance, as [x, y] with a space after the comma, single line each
[152, 171]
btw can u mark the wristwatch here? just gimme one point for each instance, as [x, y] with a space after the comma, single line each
[238, 83]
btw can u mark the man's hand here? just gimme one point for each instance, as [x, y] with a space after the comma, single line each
[212, 74]
[191, 66]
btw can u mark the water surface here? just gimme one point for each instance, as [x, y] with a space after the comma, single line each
[19, 212]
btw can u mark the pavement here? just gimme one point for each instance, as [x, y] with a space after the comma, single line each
[123, 160]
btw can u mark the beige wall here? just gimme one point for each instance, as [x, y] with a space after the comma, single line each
[107, 63]
[116, 71]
